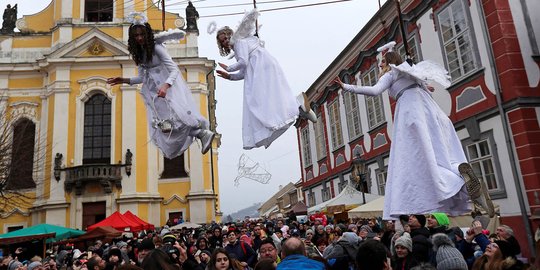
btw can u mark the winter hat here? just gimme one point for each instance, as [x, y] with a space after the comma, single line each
[121, 244]
[309, 231]
[33, 265]
[366, 228]
[329, 226]
[404, 241]
[147, 244]
[506, 248]
[421, 220]
[206, 252]
[351, 237]
[164, 231]
[448, 257]
[115, 252]
[342, 227]
[14, 265]
[457, 231]
[352, 227]
[441, 218]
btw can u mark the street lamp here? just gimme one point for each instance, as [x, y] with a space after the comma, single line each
[358, 174]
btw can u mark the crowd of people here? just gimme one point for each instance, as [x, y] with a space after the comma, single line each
[413, 242]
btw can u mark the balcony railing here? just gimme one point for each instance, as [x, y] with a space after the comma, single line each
[106, 175]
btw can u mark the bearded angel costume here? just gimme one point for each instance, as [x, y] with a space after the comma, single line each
[269, 106]
[177, 106]
[423, 174]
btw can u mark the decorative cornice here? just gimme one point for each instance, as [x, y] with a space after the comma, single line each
[173, 198]
[13, 211]
[137, 198]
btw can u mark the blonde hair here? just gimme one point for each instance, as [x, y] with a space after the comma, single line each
[228, 32]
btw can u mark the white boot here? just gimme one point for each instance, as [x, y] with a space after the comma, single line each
[206, 136]
[305, 108]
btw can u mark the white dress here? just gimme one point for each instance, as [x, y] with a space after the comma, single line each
[270, 107]
[423, 174]
[186, 117]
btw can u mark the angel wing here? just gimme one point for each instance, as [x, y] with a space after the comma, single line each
[247, 26]
[426, 71]
[170, 35]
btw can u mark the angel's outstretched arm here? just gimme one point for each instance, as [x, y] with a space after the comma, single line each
[384, 83]
[241, 53]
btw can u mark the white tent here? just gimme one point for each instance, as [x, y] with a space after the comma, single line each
[368, 210]
[348, 196]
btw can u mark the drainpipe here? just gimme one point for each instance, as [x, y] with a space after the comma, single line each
[530, 29]
[212, 148]
[506, 129]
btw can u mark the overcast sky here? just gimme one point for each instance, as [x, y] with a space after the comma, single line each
[304, 40]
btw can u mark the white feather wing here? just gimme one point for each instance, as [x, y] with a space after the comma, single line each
[170, 35]
[426, 71]
[246, 28]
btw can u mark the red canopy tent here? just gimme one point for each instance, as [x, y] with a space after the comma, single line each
[119, 222]
[133, 217]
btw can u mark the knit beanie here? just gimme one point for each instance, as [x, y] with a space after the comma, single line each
[366, 228]
[404, 241]
[441, 218]
[421, 220]
[33, 265]
[13, 265]
[448, 257]
[121, 244]
[506, 248]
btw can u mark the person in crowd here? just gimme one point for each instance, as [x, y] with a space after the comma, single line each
[403, 259]
[372, 255]
[174, 120]
[145, 247]
[203, 258]
[96, 263]
[475, 239]
[216, 240]
[321, 245]
[504, 232]
[202, 244]
[320, 233]
[498, 255]
[343, 253]
[268, 250]
[421, 248]
[221, 260]
[388, 232]
[293, 256]
[437, 223]
[114, 259]
[448, 257]
[256, 236]
[265, 264]
[157, 259]
[240, 251]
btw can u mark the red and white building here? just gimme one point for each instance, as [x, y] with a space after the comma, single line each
[491, 49]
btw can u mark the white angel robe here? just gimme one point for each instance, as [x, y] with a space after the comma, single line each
[423, 174]
[270, 106]
[186, 117]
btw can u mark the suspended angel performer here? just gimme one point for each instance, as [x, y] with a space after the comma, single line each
[173, 118]
[269, 106]
[427, 171]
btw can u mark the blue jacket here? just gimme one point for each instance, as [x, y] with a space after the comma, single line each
[297, 262]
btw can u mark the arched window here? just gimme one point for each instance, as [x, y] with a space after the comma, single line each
[22, 155]
[173, 168]
[97, 130]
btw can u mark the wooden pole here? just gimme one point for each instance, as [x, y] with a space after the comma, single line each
[163, 14]
[256, 21]
[403, 34]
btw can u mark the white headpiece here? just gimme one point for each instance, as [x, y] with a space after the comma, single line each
[212, 27]
[387, 47]
[137, 18]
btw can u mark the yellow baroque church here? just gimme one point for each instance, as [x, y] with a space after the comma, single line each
[78, 148]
